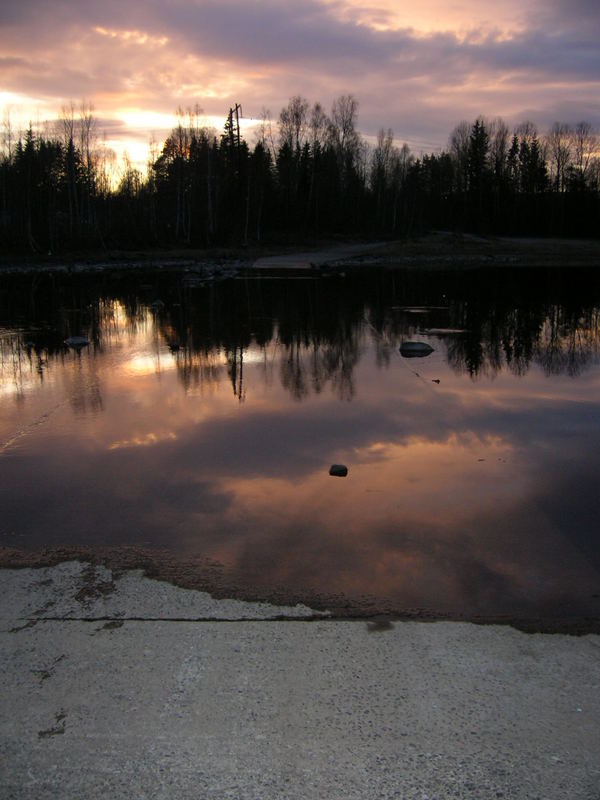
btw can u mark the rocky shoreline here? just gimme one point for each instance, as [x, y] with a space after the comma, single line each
[437, 250]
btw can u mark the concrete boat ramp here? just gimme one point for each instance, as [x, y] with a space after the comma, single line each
[118, 686]
[318, 259]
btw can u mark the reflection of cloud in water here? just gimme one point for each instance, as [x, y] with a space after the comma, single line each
[397, 526]
[460, 493]
[147, 440]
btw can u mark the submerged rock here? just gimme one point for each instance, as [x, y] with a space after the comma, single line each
[77, 342]
[415, 349]
[338, 470]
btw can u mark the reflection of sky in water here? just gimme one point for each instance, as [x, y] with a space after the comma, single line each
[477, 494]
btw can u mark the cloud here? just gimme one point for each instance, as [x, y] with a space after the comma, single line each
[580, 17]
[420, 74]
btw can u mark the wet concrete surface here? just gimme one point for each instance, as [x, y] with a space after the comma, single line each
[211, 577]
[116, 685]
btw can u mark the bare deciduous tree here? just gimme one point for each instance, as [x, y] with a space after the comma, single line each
[342, 134]
[459, 144]
[381, 167]
[318, 125]
[87, 145]
[293, 123]
[264, 132]
[106, 168]
[559, 147]
[499, 146]
[584, 144]
[8, 135]
[344, 116]
[67, 127]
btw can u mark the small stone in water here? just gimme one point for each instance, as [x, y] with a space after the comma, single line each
[77, 341]
[338, 470]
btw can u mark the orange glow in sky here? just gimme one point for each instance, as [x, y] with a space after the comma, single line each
[417, 68]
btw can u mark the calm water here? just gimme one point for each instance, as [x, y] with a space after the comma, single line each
[206, 424]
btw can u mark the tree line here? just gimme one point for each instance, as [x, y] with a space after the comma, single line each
[308, 174]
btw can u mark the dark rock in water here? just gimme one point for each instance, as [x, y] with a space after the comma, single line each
[415, 349]
[76, 342]
[338, 470]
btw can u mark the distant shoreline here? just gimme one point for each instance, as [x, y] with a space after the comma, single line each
[438, 250]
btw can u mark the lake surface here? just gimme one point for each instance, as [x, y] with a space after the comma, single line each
[202, 419]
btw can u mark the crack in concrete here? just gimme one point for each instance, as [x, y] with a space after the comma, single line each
[117, 622]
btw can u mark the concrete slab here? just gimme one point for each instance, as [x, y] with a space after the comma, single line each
[263, 708]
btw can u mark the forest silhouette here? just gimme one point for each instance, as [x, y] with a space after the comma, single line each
[308, 175]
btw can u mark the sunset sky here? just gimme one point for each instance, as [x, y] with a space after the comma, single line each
[418, 69]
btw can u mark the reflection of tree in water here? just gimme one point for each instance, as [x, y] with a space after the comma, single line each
[311, 324]
[569, 345]
[384, 349]
[555, 338]
[235, 370]
[201, 371]
[294, 370]
[316, 329]
[118, 319]
[495, 340]
[47, 309]
[339, 360]
[313, 366]
[83, 387]
[16, 362]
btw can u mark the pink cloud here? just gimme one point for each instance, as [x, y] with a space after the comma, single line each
[156, 56]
